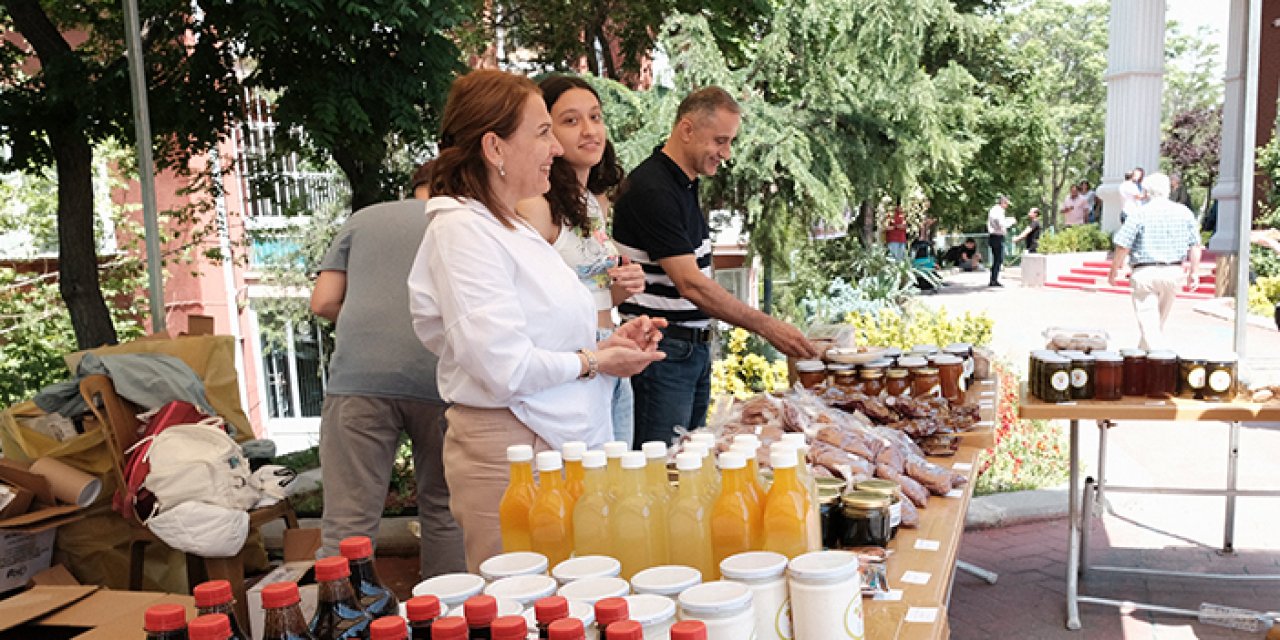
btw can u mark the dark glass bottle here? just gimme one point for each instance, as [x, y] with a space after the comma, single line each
[480, 612]
[566, 629]
[282, 618]
[214, 596]
[548, 610]
[389, 628]
[211, 626]
[449, 629]
[378, 600]
[165, 622]
[510, 628]
[339, 615]
[624, 630]
[423, 611]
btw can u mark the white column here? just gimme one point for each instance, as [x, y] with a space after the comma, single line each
[1135, 81]
[1226, 238]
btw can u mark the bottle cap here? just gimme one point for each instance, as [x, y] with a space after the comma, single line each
[213, 626]
[356, 547]
[509, 628]
[332, 568]
[420, 608]
[165, 617]
[611, 610]
[212, 593]
[449, 629]
[573, 450]
[794, 438]
[745, 447]
[566, 629]
[747, 437]
[624, 630]
[688, 461]
[550, 609]
[480, 610]
[593, 460]
[633, 460]
[389, 628]
[704, 437]
[549, 461]
[654, 449]
[519, 453]
[699, 448]
[732, 460]
[615, 449]
[783, 458]
[279, 594]
[689, 630]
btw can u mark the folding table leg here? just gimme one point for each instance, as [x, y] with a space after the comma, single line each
[1233, 456]
[1073, 531]
[1086, 522]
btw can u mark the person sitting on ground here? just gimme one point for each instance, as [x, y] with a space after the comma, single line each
[922, 260]
[969, 258]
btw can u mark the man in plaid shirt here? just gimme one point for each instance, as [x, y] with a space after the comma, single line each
[1157, 238]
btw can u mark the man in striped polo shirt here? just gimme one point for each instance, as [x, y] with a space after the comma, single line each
[659, 224]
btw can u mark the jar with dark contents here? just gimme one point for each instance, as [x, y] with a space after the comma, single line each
[950, 375]
[872, 381]
[912, 362]
[1191, 377]
[925, 350]
[1055, 378]
[1221, 382]
[892, 354]
[1162, 374]
[896, 382]
[964, 351]
[925, 383]
[886, 488]
[1082, 372]
[830, 517]
[1033, 372]
[864, 519]
[843, 376]
[1135, 372]
[812, 373]
[1108, 371]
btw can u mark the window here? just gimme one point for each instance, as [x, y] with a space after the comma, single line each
[294, 357]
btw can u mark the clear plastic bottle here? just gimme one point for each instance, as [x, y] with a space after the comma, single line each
[786, 509]
[572, 454]
[376, 598]
[551, 516]
[659, 486]
[689, 520]
[637, 542]
[215, 596]
[165, 622]
[750, 448]
[513, 510]
[735, 516]
[339, 615]
[389, 628]
[614, 451]
[798, 442]
[282, 617]
[211, 626]
[592, 512]
[710, 475]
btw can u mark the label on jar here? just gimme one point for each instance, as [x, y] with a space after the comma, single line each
[1079, 378]
[853, 626]
[895, 514]
[1195, 378]
[1060, 380]
[1220, 381]
[782, 621]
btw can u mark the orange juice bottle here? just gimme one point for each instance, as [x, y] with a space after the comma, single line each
[513, 510]
[748, 449]
[613, 452]
[689, 519]
[592, 511]
[637, 543]
[572, 452]
[797, 440]
[786, 510]
[710, 475]
[551, 516]
[735, 516]
[659, 487]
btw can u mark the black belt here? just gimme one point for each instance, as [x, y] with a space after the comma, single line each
[688, 334]
[1157, 264]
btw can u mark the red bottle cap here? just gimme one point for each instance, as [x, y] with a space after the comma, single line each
[566, 629]
[214, 626]
[450, 629]
[480, 610]
[689, 630]
[421, 608]
[625, 630]
[389, 628]
[165, 617]
[280, 594]
[611, 610]
[509, 628]
[550, 609]
[332, 568]
[356, 547]
[212, 593]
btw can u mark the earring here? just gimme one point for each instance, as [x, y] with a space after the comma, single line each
[501, 172]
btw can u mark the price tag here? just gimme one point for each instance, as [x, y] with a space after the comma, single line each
[955, 493]
[986, 394]
[1155, 403]
[927, 615]
[985, 423]
[1069, 403]
[916, 577]
[892, 595]
[962, 466]
[928, 545]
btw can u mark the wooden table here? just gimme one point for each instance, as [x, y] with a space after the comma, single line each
[1082, 500]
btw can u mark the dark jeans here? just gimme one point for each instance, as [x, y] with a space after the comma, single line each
[997, 255]
[672, 392]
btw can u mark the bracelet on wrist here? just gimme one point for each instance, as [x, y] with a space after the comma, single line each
[593, 365]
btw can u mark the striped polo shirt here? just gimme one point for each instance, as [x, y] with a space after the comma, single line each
[658, 216]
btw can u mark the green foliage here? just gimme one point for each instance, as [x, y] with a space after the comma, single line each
[302, 245]
[1268, 164]
[918, 324]
[831, 278]
[748, 366]
[1264, 262]
[1264, 294]
[1081, 237]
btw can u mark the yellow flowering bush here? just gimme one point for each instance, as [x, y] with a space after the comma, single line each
[743, 373]
[920, 325]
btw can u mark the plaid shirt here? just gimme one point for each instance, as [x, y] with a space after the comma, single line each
[1160, 231]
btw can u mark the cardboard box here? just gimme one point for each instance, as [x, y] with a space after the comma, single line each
[300, 547]
[26, 538]
[81, 612]
[23, 555]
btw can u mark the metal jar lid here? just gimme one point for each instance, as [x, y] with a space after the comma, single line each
[882, 487]
[810, 366]
[865, 500]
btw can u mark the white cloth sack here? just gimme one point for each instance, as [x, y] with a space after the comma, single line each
[206, 530]
[199, 463]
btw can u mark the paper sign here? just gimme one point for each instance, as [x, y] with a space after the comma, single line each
[922, 614]
[916, 577]
[927, 545]
[962, 466]
[986, 394]
[955, 493]
[891, 595]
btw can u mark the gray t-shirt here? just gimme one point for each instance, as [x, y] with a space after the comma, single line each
[376, 352]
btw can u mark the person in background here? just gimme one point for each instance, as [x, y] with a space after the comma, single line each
[1075, 209]
[511, 323]
[1091, 198]
[418, 183]
[658, 223]
[573, 215]
[1032, 233]
[1156, 239]
[382, 383]
[967, 256]
[1178, 192]
[895, 234]
[997, 228]
[1131, 192]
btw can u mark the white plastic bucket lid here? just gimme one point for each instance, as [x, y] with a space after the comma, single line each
[667, 580]
[506, 607]
[753, 566]
[593, 590]
[823, 566]
[586, 567]
[649, 609]
[524, 589]
[715, 599]
[516, 563]
[452, 588]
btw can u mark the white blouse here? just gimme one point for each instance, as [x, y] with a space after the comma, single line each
[505, 315]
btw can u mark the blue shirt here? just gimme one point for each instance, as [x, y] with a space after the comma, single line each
[1161, 231]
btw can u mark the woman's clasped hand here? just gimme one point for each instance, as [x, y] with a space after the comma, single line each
[632, 347]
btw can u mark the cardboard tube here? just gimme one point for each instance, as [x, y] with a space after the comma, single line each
[69, 485]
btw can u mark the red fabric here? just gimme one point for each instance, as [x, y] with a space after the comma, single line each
[132, 497]
[897, 231]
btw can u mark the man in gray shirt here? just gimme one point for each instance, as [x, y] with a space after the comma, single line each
[381, 381]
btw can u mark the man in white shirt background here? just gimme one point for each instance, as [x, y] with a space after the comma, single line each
[1131, 191]
[997, 227]
[1075, 209]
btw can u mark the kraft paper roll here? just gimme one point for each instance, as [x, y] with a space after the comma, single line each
[69, 485]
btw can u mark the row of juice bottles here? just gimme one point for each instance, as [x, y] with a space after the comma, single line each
[620, 503]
